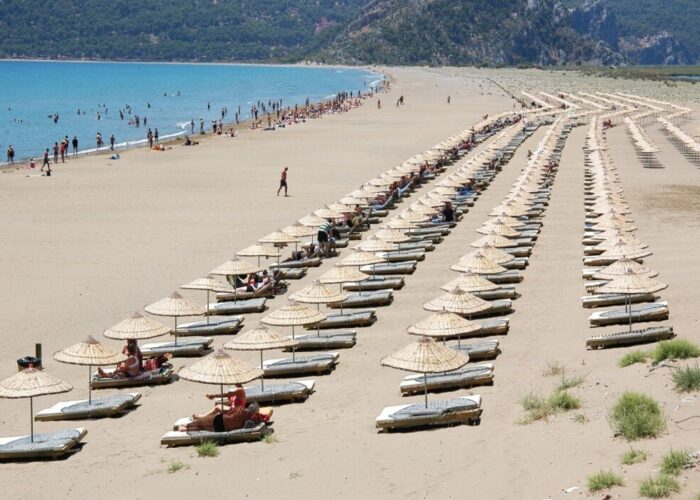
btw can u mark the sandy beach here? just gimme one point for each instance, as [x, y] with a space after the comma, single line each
[102, 238]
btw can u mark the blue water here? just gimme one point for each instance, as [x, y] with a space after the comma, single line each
[32, 91]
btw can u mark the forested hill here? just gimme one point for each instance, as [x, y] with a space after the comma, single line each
[356, 31]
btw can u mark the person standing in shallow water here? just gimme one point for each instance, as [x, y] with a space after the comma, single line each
[75, 145]
[283, 182]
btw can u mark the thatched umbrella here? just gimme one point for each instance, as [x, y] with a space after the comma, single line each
[359, 258]
[458, 301]
[477, 263]
[210, 284]
[426, 356]
[318, 293]
[293, 314]
[470, 282]
[499, 229]
[343, 274]
[137, 327]
[493, 240]
[235, 267]
[498, 256]
[629, 284]
[392, 235]
[220, 369]
[444, 324]
[260, 339]
[89, 353]
[259, 250]
[623, 267]
[312, 221]
[176, 306]
[620, 250]
[29, 383]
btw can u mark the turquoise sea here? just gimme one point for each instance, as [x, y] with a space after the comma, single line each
[168, 96]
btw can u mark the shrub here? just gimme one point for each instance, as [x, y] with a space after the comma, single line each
[553, 368]
[637, 416]
[633, 357]
[659, 487]
[674, 462]
[208, 449]
[175, 466]
[687, 379]
[562, 400]
[569, 382]
[674, 349]
[536, 406]
[633, 456]
[604, 480]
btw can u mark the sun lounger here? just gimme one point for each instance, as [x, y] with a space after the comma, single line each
[404, 255]
[510, 276]
[267, 291]
[614, 299]
[312, 262]
[425, 232]
[643, 336]
[492, 326]
[287, 392]
[393, 268]
[216, 326]
[100, 407]
[501, 306]
[656, 311]
[376, 283]
[504, 292]
[365, 299]
[517, 263]
[237, 307]
[185, 347]
[599, 261]
[162, 375]
[466, 409]
[45, 445]
[519, 251]
[319, 364]
[478, 351]
[468, 376]
[341, 339]
[427, 245]
[348, 319]
[289, 273]
[178, 438]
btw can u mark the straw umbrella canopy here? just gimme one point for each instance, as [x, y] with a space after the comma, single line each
[498, 256]
[293, 314]
[625, 239]
[328, 213]
[392, 235]
[620, 250]
[210, 284]
[376, 245]
[477, 263]
[470, 282]
[603, 224]
[340, 207]
[493, 240]
[413, 216]
[220, 369]
[629, 284]
[399, 223]
[259, 250]
[498, 229]
[458, 301]
[623, 267]
[260, 339]
[176, 306]
[351, 200]
[312, 221]
[424, 209]
[444, 324]
[360, 258]
[89, 353]
[426, 356]
[344, 274]
[278, 238]
[137, 327]
[508, 221]
[381, 181]
[235, 267]
[318, 293]
[444, 190]
[450, 183]
[432, 202]
[29, 383]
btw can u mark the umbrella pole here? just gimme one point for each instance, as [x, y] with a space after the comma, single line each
[630, 309]
[175, 331]
[262, 377]
[222, 396]
[294, 349]
[89, 385]
[207, 307]
[31, 418]
[425, 382]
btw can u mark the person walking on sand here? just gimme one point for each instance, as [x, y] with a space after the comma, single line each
[75, 145]
[47, 162]
[10, 155]
[112, 142]
[283, 182]
[55, 152]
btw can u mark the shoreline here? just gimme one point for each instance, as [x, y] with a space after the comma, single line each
[170, 138]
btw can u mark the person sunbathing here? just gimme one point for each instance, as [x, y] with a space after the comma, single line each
[131, 367]
[234, 415]
[254, 284]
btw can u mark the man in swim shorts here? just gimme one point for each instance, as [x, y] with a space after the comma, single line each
[283, 182]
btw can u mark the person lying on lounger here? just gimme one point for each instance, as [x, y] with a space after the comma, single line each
[131, 367]
[256, 283]
[234, 415]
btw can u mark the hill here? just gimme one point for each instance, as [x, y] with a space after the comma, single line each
[498, 32]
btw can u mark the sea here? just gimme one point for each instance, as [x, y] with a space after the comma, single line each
[41, 102]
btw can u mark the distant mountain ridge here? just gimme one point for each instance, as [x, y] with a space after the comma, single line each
[435, 32]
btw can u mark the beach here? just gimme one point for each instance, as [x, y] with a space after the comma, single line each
[101, 238]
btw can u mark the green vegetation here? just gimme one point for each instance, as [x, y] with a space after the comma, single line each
[208, 449]
[569, 382]
[270, 438]
[687, 379]
[604, 480]
[659, 487]
[562, 400]
[674, 462]
[674, 349]
[175, 466]
[637, 416]
[538, 407]
[634, 456]
[633, 357]
[553, 369]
